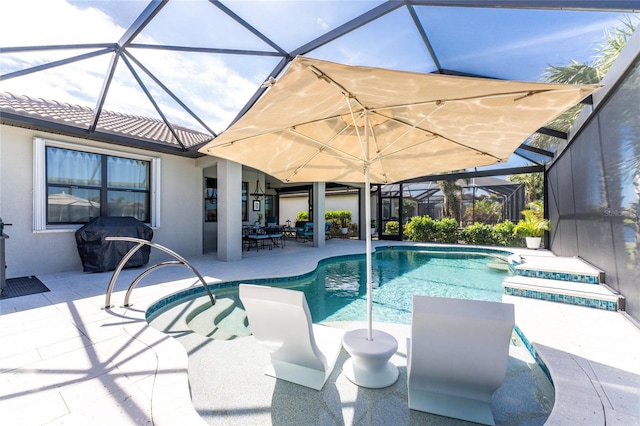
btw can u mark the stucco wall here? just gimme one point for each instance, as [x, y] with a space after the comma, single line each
[30, 253]
[290, 206]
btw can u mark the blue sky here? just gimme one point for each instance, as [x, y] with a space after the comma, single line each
[498, 43]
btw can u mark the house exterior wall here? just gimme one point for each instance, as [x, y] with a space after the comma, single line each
[50, 251]
[593, 187]
[210, 230]
[291, 206]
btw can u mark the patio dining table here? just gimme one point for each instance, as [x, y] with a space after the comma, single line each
[263, 235]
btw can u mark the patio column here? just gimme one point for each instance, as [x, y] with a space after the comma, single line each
[318, 213]
[229, 210]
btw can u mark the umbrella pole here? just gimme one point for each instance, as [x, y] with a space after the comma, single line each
[367, 218]
[367, 222]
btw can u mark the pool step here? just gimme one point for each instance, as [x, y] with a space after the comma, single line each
[597, 296]
[226, 320]
[568, 280]
[571, 269]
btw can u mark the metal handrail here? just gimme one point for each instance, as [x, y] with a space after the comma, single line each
[140, 243]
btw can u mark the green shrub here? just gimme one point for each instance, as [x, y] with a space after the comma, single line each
[421, 228]
[448, 231]
[333, 215]
[503, 234]
[412, 230]
[424, 228]
[392, 227]
[478, 233]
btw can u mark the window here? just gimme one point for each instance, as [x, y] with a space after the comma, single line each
[269, 209]
[211, 200]
[245, 207]
[75, 184]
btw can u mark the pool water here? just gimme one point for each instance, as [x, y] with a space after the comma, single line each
[336, 291]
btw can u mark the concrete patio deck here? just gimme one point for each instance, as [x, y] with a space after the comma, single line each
[63, 360]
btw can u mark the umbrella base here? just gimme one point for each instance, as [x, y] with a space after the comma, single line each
[369, 365]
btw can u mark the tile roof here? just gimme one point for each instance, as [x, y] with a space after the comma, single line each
[124, 125]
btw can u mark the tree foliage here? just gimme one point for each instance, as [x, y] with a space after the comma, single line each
[590, 72]
[533, 185]
[484, 210]
[452, 194]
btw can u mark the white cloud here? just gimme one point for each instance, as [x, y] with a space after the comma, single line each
[205, 83]
[215, 91]
[322, 24]
[46, 22]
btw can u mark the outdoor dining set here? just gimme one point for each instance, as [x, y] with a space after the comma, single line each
[274, 235]
[262, 237]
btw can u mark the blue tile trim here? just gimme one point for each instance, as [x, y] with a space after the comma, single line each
[533, 353]
[606, 305]
[446, 248]
[560, 276]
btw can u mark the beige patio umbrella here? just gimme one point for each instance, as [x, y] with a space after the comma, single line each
[327, 122]
[65, 203]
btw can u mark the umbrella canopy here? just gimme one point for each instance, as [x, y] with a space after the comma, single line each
[323, 121]
[64, 199]
[309, 126]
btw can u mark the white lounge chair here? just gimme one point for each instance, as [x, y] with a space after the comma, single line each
[301, 352]
[457, 356]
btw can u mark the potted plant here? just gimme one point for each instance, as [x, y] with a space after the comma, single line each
[532, 226]
[345, 217]
[373, 226]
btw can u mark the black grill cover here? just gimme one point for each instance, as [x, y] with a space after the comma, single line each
[98, 255]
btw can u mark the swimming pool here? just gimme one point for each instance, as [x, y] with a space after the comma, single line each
[336, 290]
[219, 355]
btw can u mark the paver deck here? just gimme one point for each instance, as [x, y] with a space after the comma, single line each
[64, 360]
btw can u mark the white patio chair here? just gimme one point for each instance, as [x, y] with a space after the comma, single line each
[457, 356]
[301, 352]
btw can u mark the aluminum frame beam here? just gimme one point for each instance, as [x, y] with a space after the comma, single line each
[155, 6]
[478, 173]
[602, 5]
[136, 27]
